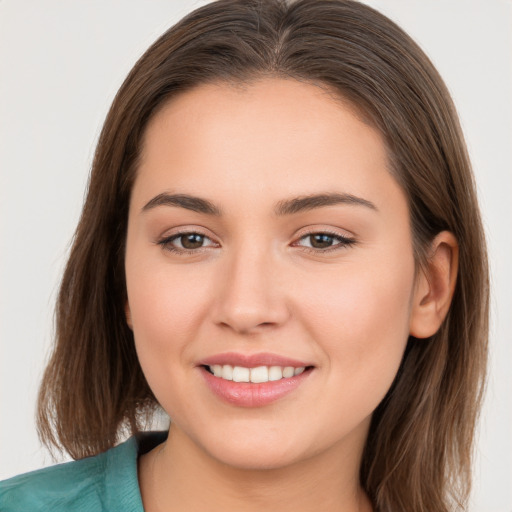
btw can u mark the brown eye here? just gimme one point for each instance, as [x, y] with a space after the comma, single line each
[191, 240]
[183, 242]
[321, 240]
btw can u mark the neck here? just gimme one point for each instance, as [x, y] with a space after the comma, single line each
[179, 476]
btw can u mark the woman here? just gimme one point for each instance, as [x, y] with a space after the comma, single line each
[281, 247]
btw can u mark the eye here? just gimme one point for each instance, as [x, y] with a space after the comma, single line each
[319, 241]
[186, 242]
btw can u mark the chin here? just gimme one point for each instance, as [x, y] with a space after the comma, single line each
[255, 459]
[254, 453]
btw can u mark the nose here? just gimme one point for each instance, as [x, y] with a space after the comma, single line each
[251, 293]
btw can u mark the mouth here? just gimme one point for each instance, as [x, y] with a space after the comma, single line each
[253, 380]
[255, 375]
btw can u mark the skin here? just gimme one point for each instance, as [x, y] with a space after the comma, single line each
[257, 286]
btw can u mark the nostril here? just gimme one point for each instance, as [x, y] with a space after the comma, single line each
[246, 327]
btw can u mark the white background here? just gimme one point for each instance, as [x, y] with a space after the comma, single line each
[61, 63]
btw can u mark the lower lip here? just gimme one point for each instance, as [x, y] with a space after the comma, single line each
[247, 394]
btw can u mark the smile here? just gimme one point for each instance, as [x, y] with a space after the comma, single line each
[253, 380]
[255, 375]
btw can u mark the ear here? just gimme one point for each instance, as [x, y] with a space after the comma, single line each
[435, 285]
[128, 315]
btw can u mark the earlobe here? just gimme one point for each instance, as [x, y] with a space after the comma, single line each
[128, 315]
[435, 285]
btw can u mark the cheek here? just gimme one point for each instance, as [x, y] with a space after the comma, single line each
[164, 301]
[354, 303]
[361, 321]
[166, 308]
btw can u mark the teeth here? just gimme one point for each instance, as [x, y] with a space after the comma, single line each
[288, 372]
[259, 374]
[275, 373]
[227, 372]
[255, 375]
[241, 374]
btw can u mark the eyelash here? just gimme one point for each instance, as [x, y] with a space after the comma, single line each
[166, 243]
[343, 242]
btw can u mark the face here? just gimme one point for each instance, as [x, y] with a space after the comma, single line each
[265, 231]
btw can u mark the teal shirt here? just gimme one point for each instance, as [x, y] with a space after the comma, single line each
[104, 483]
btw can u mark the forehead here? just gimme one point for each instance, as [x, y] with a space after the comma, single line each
[273, 136]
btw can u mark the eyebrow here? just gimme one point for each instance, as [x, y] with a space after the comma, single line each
[285, 207]
[196, 204]
[304, 203]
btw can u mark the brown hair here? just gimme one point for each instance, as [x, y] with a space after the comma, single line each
[418, 453]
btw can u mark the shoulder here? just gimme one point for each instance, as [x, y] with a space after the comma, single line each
[104, 482]
[69, 486]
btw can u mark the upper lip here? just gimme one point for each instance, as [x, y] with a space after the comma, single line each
[252, 360]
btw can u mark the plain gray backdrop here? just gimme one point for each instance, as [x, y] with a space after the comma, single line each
[61, 63]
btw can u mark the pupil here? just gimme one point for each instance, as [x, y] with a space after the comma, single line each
[192, 241]
[321, 241]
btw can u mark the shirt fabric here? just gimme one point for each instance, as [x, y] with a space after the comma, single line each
[104, 483]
